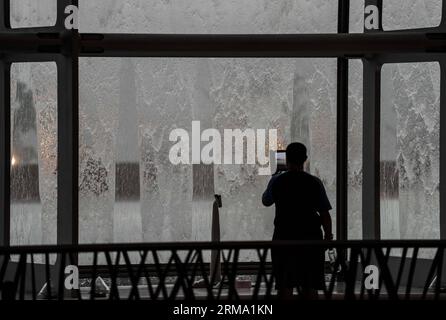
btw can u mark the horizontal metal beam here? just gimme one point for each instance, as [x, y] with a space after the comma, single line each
[224, 245]
[243, 268]
[177, 45]
[305, 45]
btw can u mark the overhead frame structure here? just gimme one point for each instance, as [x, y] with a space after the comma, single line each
[64, 47]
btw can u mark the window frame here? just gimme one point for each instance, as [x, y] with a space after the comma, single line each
[373, 48]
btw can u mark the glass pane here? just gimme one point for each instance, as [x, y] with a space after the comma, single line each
[34, 153]
[357, 16]
[32, 13]
[410, 151]
[229, 16]
[129, 108]
[355, 105]
[411, 14]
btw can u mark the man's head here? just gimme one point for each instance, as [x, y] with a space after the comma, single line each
[296, 155]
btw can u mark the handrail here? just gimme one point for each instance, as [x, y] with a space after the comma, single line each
[208, 245]
[171, 270]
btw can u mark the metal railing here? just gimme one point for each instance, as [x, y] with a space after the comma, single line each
[176, 271]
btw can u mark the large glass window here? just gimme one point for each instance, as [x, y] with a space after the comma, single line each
[203, 16]
[128, 109]
[355, 133]
[410, 114]
[130, 191]
[34, 153]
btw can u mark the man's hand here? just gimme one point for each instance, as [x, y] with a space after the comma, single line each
[326, 225]
[328, 237]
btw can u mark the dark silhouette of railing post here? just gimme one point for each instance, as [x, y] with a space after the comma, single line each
[215, 236]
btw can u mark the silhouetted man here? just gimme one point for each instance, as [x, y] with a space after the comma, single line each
[302, 208]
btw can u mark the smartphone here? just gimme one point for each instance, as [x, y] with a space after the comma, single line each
[281, 161]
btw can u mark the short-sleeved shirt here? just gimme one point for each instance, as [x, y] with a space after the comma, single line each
[298, 197]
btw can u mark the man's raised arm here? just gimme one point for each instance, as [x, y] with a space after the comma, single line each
[267, 197]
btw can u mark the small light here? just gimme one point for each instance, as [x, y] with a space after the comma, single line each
[13, 161]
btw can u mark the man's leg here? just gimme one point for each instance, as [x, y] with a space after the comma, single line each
[285, 293]
[309, 294]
